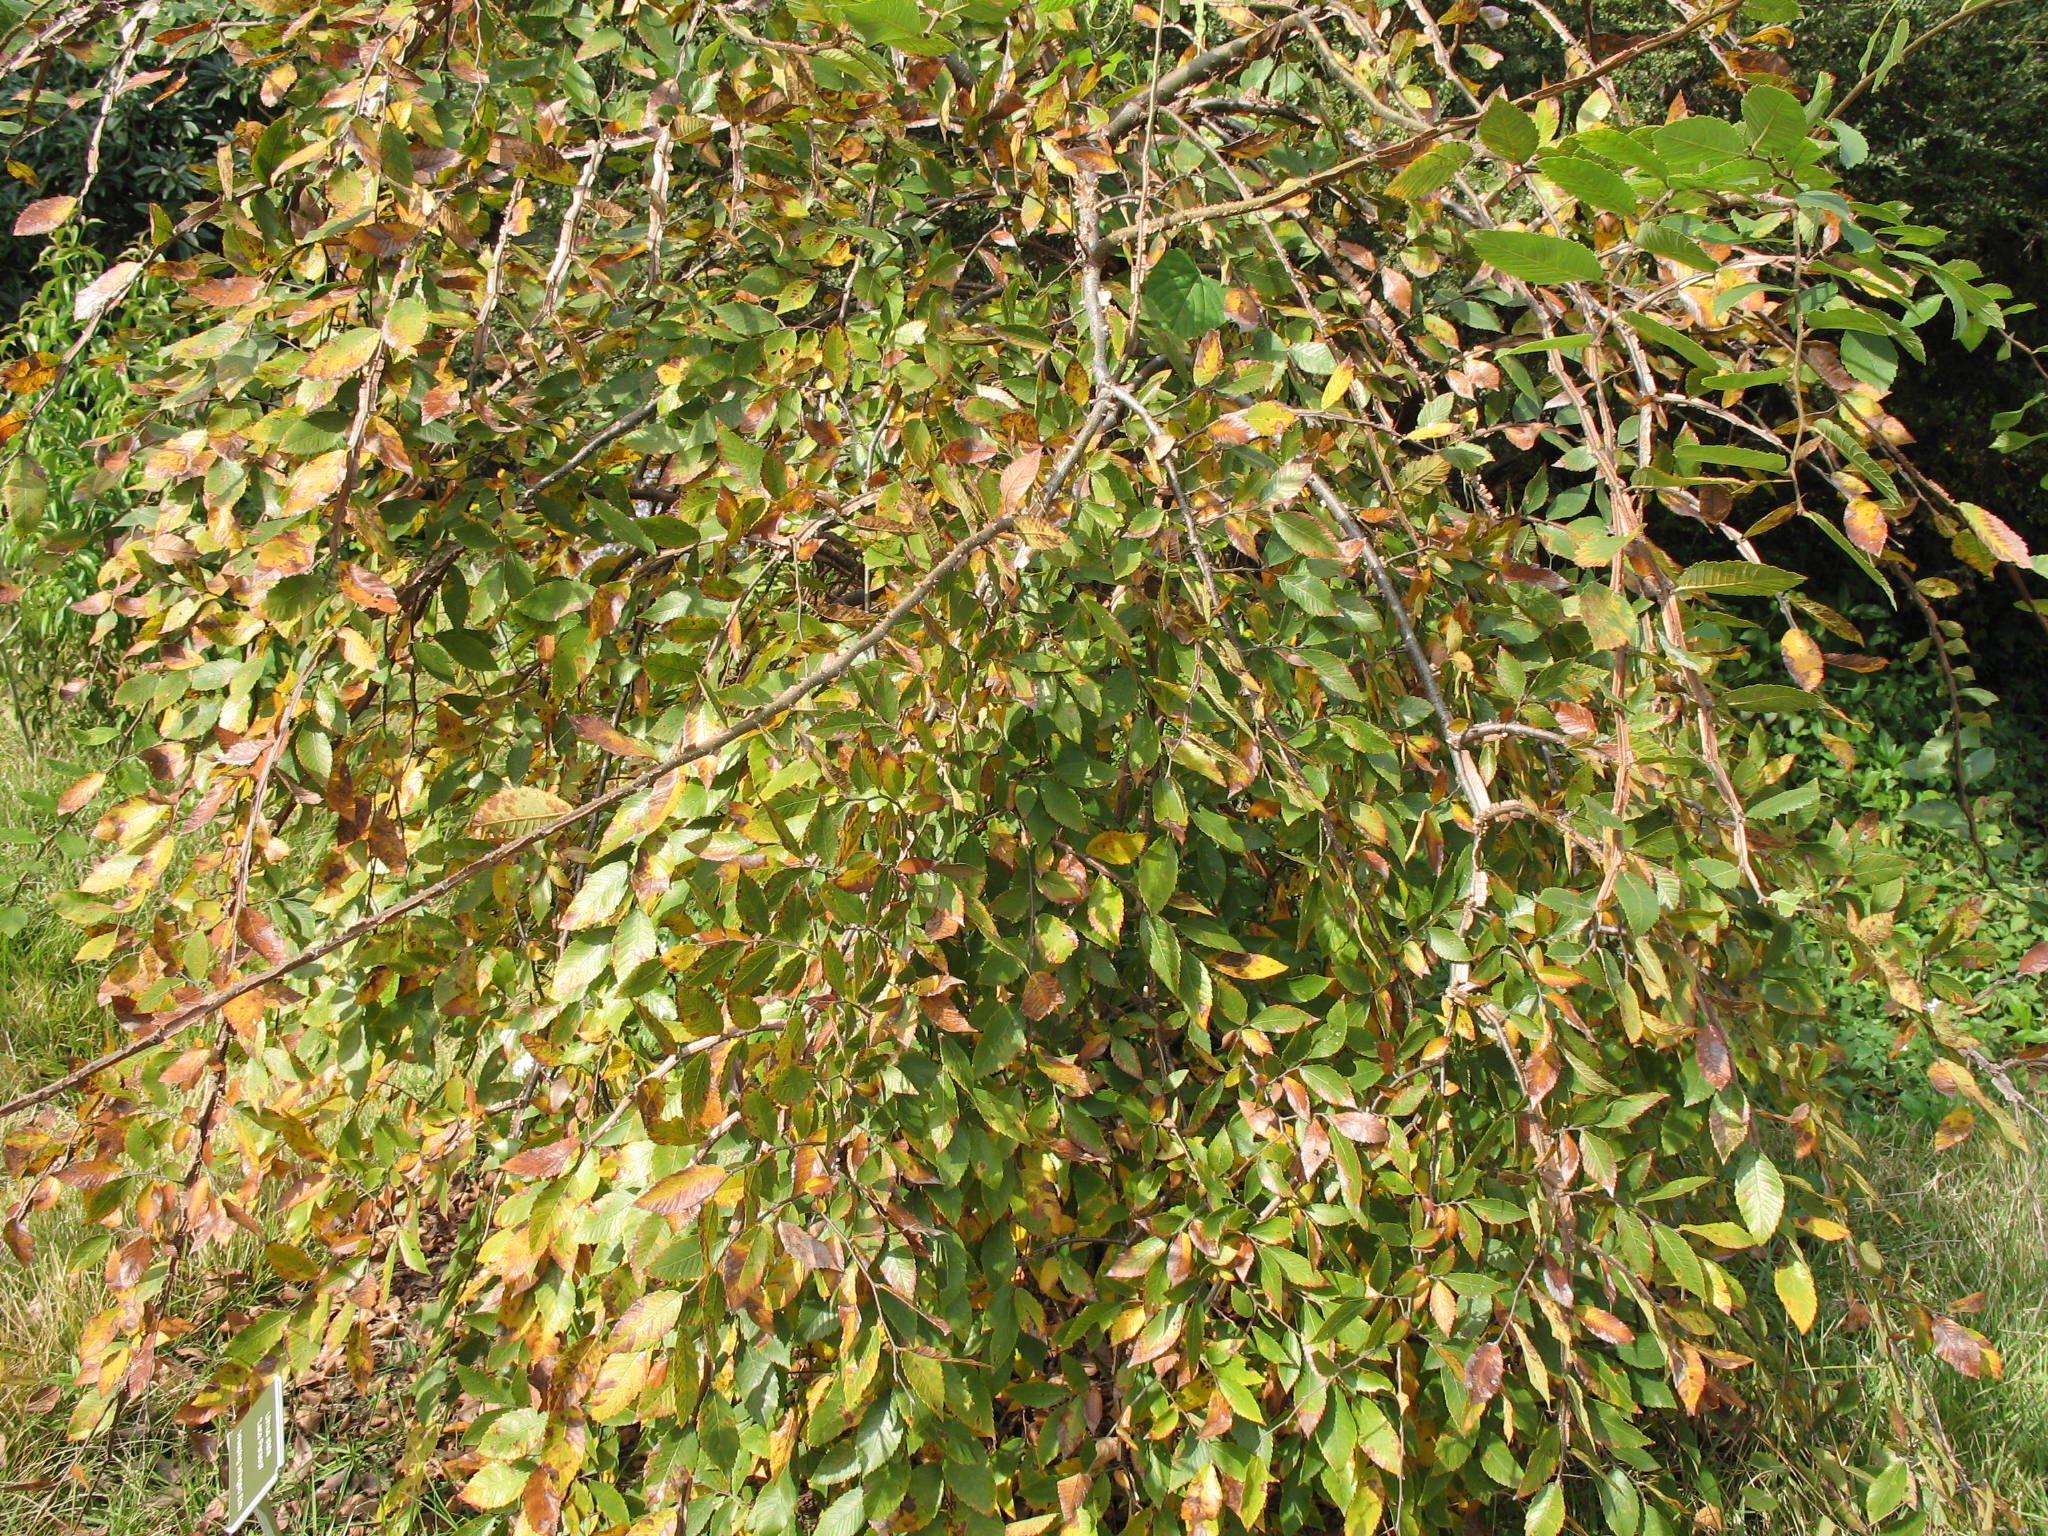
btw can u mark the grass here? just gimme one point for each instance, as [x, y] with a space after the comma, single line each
[1972, 1220]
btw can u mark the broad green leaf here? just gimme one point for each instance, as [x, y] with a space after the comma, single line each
[1507, 130]
[1770, 698]
[1590, 182]
[1887, 1491]
[1775, 119]
[1183, 298]
[1430, 172]
[1544, 1514]
[1537, 258]
[1736, 578]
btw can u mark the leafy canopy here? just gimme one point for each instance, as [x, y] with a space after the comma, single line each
[967, 732]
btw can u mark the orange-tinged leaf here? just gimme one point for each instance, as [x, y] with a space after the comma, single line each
[1249, 967]
[647, 1321]
[681, 1195]
[80, 793]
[1803, 659]
[44, 215]
[544, 1162]
[104, 289]
[366, 589]
[1483, 1370]
[1017, 479]
[1605, 1325]
[1043, 995]
[515, 811]
[1969, 1352]
[314, 481]
[2035, 960]
[606, 737]
[1997, 535]
[1866, 525]
[228, 292]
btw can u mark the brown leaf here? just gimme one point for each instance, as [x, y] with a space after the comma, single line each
[104, 289]
[809, 1251]
[2035, 960]
[606, 737]
[1018, 477]
[227, 292]
[1043, 995]
[1483, 1370]
[1360, 1126]
[1996, 533]
[1969, 1352]
[261, 935]
[681, 1195]
[1710, 1050]
[544, 1162]
[366, 589]
[44, 215]
[82, 790]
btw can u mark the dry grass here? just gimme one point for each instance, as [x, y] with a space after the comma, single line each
[1976, 1219]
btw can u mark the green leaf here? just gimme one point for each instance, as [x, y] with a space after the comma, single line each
[1304, 534]
[1507, 130]
[1609, 620]
[1158, 873]
[1544, 1514]
[26, 493]
[1430, 172]
[1692, 144]
[1537, 258]
[1775, 119]
[1736, 578]
[1770, 699]
[1182, 298]
[1662, 239]
[844, 1515]
[1590, 182]
[1887, 1491]
[1760, 1195]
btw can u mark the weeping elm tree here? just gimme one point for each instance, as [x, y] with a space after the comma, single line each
[995, 768]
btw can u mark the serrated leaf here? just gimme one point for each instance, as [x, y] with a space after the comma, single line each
[1430, 172]
[1537, 258]
[343, 356]
[1760, 1195]
[1803, 659]
[515, 811]
[1589, 182]
[1507, 130]
[1775, 119]
[681, 1195]
[44, 215]
[1183, 298]
[1736, 578]
[1793, 1282]
[1544, 1514]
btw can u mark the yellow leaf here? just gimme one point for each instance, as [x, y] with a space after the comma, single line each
[1866, 525]
[1116, 847]
[314, 481]
[345, 354]
[1803, 659]
[1209, 358]
[1249, 967]
[1794, 1285]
